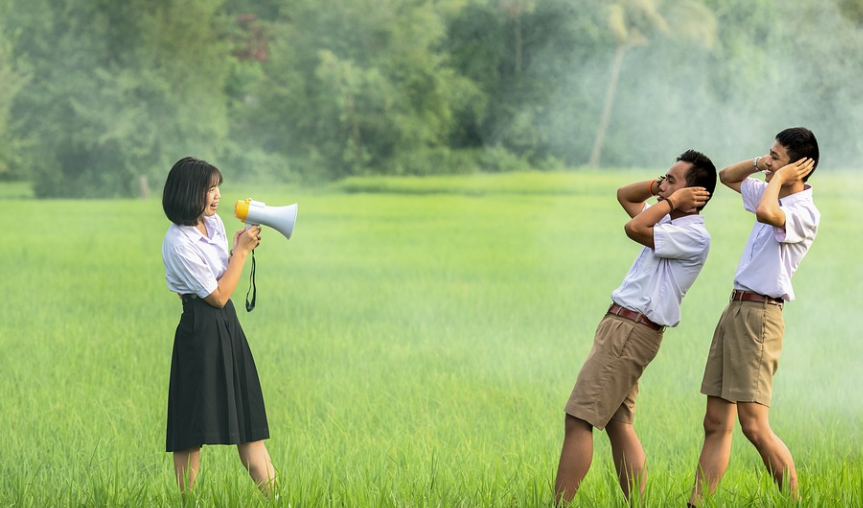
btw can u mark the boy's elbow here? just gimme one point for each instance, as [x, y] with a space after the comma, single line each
[630, 230]
[620, 196]
[767, 216]
[639, 234]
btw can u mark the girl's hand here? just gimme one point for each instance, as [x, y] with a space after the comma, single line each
[247, 239]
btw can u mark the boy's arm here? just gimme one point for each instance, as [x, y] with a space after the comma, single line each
[632, 197]
[687, 199]
[733, 175]
[769, 211]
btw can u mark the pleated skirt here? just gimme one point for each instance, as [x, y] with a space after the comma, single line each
[214, 395]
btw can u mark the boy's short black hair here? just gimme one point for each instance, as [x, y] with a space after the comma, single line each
[800, 143]
[185, 195]
[702, 173]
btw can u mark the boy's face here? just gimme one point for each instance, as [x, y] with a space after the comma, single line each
[775, 160]
[675, 179]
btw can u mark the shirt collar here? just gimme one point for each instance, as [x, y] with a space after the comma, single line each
[192, 232]
[695, 218]
[804, 195]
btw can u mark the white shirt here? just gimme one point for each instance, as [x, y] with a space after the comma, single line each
[659, 277]
[772, 254]
[194, 263]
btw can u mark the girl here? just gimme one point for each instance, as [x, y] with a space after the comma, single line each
[215, 395]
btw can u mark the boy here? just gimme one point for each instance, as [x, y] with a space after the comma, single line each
[675, 246]
[744, 355]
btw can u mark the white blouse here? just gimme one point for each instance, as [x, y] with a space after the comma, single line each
[194, 263]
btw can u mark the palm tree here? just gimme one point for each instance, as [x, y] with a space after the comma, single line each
[632, 22]
[515, 10]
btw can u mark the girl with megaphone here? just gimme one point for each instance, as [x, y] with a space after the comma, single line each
[215, 395]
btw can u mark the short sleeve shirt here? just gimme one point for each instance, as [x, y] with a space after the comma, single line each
[194, 263]
[772, 255]
[660, 277]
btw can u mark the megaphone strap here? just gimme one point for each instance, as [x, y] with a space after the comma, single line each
[250, 305]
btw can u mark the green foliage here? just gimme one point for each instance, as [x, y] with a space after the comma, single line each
[527, 62]
[852, 10]
[371, 98]
[14, 76]
[101, 97]
[120, 91]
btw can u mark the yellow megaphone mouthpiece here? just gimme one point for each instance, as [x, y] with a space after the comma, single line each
[241, 209]
[280, 218]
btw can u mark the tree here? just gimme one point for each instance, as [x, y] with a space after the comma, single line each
[119, 90]
[633, 23]
[520, 54]
[357, 87]
[14, 75]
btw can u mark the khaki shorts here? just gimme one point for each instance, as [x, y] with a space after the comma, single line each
[744, 354]
[607, 385]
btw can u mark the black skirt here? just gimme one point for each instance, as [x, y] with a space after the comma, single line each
[214, 396]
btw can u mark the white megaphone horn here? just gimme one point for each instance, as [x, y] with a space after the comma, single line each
[280, 218]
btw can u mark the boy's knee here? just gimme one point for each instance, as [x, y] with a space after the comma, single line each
[755, 432]
[715, 426]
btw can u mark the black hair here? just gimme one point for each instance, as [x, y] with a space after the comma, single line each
[185, 195]
[800, 143]
[702, 173]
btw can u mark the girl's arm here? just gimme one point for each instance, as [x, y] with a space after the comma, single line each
[244, 242]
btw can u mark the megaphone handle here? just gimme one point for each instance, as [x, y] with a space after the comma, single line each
[253, 290]
[250, 303]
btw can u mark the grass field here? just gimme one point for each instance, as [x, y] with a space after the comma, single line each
[416, 341]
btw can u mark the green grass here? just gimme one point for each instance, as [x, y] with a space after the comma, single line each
[16, 190]
[415, 348]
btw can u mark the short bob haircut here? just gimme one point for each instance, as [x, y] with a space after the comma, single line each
[185, 195]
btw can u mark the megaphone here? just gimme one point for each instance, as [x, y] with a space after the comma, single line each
[280, 218]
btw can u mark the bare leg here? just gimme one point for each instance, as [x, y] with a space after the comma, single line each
[186, 466]
[628, 456]
[256, 459]
[716, 452]
[756, 427]
[575, 458]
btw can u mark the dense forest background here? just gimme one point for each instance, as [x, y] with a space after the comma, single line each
[100, 97]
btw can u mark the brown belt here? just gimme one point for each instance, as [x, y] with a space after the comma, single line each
[631, 315]
[750, 296]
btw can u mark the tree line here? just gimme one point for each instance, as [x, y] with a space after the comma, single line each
[100, 97]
